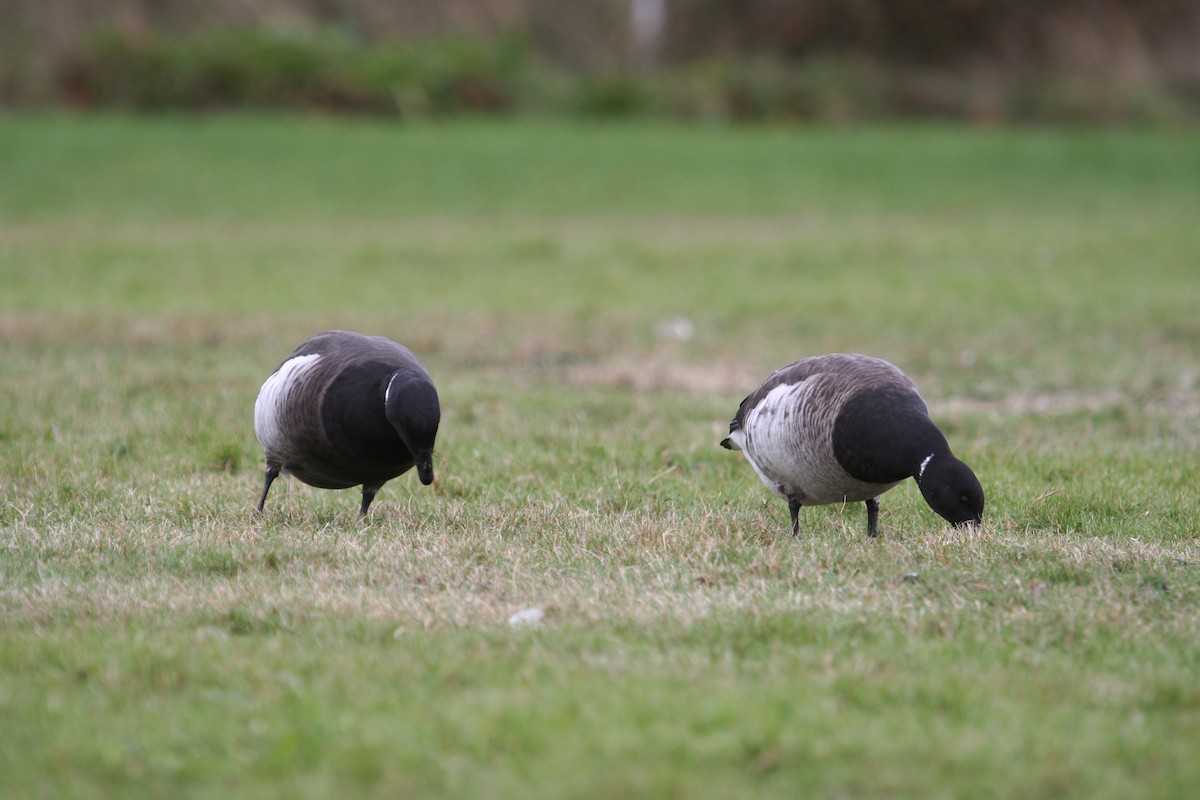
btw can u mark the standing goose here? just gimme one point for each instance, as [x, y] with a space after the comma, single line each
[346, 409]
[847, 428]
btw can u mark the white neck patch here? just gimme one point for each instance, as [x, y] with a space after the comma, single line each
[388, 391]
[924, 464]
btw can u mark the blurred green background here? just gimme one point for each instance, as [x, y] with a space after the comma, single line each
[1106, 61]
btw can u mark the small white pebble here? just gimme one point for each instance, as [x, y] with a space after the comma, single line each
[528, 616]
[676, 329]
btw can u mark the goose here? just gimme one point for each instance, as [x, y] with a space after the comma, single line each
[345, 410]
[845, 429]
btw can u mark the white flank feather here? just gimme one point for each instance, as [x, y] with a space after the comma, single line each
[273, 397]
[767, 435]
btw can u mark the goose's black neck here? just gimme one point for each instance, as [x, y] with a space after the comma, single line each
[884, 435]
[411, 406]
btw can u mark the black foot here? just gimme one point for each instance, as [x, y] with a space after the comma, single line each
[794, 508]
[272, 474]
[873, 516]
[368, 496]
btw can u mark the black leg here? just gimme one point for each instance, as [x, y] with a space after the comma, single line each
[368, 496]
[794, 507]
[272, 474]
[873, 517]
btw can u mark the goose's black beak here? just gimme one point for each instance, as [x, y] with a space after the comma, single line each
[425, 471]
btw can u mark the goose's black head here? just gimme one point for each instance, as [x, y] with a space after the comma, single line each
[411, 405]
[952, 490]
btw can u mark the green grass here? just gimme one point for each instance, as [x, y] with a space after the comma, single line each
[159, 638]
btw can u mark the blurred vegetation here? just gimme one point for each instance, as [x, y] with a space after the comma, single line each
[313, 69]
[1108, 61]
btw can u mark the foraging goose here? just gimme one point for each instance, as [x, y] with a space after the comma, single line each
[847, 428]
[346, 409]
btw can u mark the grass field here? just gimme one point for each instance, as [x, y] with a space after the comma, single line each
[160, 639]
